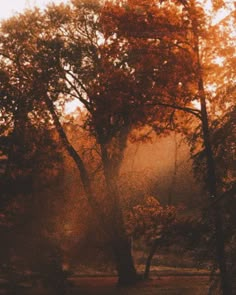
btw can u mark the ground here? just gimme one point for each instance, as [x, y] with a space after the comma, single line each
[168, 285]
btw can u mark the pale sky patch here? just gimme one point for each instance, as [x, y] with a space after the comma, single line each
[71, 106]
[10, 7]
[221, 14]
[207, 5]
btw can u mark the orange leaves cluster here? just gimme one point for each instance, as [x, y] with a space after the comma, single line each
[150, 220]
[142, 18]
[146, 43]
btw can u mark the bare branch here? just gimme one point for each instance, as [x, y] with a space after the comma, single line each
[192, 111]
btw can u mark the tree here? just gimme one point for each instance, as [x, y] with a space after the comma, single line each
[212, 180]
[153, 224]
[194, 42]
[32, 201]
[33, 151]
[102, 74]
[118, 98]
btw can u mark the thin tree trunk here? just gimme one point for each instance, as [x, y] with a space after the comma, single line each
[149, 259]
[174, 175]
[211, 171]
[212, 188]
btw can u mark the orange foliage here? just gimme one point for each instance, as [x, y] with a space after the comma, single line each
[150, 220]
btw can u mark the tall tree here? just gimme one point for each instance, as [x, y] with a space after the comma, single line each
[118, 96]
[109, 81]
[207, 53]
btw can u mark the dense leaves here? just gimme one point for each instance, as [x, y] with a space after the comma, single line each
[150, 220]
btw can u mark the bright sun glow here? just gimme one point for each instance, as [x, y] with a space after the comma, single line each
[219, 60]
[196, 104]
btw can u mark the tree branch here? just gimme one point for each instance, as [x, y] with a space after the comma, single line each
[194, 112]
[72, 152]
[84, 101]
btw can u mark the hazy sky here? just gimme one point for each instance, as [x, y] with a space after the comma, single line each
[9, 7]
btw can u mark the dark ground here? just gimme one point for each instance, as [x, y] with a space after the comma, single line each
[168, 285]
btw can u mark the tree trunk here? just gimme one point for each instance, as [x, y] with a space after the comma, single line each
[124, 261]
[149, 259]
[174, 175]
[113, 222]
[211, 172]
[121, 248]
[212, 189]
[120, 241]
